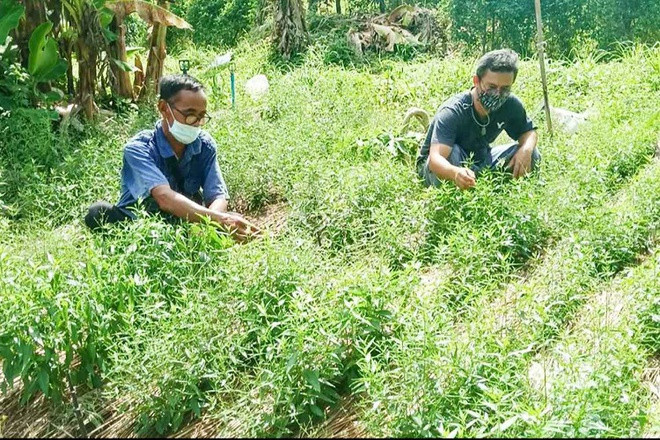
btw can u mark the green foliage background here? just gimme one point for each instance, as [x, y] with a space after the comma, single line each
[476, 26]
[569, 25]
[428, 308]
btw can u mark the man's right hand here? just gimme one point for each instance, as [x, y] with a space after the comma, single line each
[182, 207]
[239, 227]
[464, 178]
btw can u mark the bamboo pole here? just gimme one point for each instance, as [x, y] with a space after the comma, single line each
[540, 43]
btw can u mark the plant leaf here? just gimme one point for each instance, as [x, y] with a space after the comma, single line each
[105, 17]
[43, 51]
[507, 424]
[148, 12]
[43, 381]
[194, 406]
[11, 14]
[316, 410]
[312, 378]
[109, 35]
[54, 95]
[130, 51]
[123, 65]
[58, 70]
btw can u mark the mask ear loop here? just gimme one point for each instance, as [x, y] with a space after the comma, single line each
[173, 118]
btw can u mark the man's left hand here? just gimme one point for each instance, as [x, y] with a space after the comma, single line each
[521, 162]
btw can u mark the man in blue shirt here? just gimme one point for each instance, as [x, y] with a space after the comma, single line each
[173, 169]
[468, 122]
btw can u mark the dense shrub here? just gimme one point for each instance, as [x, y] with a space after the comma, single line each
[220, 22]
[568, 24]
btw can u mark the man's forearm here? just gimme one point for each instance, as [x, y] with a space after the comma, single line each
[441, 167]
[528, 141]
[182, 207]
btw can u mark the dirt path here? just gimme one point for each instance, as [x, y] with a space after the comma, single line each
[651, 378]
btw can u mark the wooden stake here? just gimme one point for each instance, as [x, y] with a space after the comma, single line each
[539, 45]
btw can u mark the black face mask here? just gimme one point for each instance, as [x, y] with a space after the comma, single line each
[491, 100]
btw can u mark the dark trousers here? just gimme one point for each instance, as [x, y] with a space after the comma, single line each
[103, 213]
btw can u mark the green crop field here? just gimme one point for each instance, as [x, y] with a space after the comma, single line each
[372, 306]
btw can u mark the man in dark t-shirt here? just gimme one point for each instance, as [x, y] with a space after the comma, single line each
[457, 144]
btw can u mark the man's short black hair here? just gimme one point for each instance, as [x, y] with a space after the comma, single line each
[501, 60]
[170, 85]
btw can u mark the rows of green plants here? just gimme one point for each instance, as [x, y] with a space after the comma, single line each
[643, 151]
[367, 186]
[483, 268]
[272, 333]
[464, 374]
[591, 379]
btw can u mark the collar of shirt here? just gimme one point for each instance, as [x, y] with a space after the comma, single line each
[165, 149]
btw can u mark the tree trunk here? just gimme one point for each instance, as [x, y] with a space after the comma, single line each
[120, 79]
[290, 28]
[156, 59]
[88, 47]
[66, 47]
[138, 81]
[338, 6]
[35, 14]
[54, 8]
[86, 79]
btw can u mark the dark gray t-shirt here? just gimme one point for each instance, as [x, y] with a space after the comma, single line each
[454, 124]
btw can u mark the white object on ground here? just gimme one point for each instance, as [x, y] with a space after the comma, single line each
[257, 86]
[570, 121]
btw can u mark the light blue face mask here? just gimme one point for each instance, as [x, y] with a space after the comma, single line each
[186, 134]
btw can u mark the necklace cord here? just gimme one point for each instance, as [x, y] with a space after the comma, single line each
[475, 118]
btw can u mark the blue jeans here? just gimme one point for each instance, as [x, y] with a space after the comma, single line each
[497, 156]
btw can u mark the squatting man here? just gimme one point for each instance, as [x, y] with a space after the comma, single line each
[173, 169]
[468, 122]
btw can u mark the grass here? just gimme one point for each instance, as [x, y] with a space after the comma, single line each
[426, 308]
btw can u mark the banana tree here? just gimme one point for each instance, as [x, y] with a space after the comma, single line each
[160, 18]
[85, 19]
[290, 28]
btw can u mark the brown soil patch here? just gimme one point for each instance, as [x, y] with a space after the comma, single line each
[272, 217]
[343, 421]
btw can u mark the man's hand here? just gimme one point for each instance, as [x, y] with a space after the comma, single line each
[239, 227]
[521, 162]
[464, 178]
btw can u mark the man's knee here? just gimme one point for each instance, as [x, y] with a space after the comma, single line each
[428, 177]
[97, 215]
[101, 213]
[536, 158]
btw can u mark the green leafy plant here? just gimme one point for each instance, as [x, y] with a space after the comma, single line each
[12, 12]
[44, 63]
